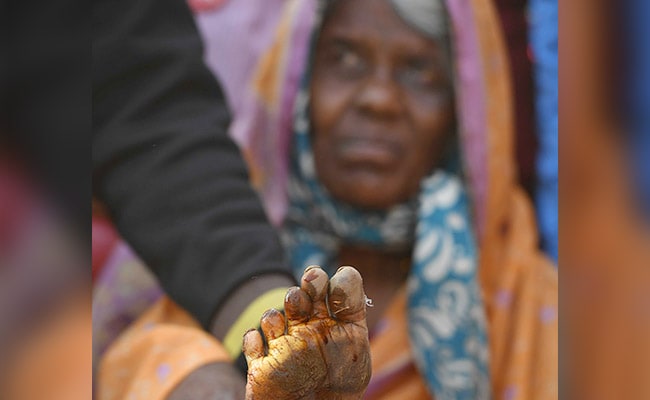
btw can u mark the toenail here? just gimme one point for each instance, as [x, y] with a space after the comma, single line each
[311, 267]
[342, 267]
[310, 275]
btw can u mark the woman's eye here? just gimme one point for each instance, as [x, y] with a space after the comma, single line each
[421, 74]
[349, 59]
[349, 62]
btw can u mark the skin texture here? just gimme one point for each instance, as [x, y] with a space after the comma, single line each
[382, 106]
[320, 350]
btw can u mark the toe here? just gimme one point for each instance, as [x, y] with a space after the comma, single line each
[297, 306]
[315, 282]
[347, 300]
[253, 346]
[273, 324]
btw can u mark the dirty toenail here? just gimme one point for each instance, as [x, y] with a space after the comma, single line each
[311, 267]
[310, 275]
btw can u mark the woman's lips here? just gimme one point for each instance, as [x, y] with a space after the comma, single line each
[374, 152]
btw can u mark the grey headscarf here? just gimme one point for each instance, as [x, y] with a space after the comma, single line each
[427, 16]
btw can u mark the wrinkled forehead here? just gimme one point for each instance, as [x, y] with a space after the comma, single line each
[429, 17]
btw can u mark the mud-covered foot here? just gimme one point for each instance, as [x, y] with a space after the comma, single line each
[320, 350]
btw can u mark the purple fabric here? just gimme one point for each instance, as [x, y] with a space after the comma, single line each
[123, 291]
[471, 104]
[265, 132]
[234, 36]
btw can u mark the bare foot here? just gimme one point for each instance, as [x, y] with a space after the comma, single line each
[315, 352]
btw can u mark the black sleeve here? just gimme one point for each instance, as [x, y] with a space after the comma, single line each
[175, 184]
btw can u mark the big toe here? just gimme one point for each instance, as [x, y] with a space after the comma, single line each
[347, 300]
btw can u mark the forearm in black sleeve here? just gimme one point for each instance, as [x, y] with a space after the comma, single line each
[174, 182]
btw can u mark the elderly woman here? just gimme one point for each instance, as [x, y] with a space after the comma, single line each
[399, 118]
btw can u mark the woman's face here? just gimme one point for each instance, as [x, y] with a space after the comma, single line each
[381, 104]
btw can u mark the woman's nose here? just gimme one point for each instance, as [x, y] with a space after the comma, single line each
[380, 96]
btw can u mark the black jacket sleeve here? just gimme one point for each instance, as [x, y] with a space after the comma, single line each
[174, 182]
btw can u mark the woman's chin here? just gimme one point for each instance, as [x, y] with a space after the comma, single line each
[368, 197]
[368, 188]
